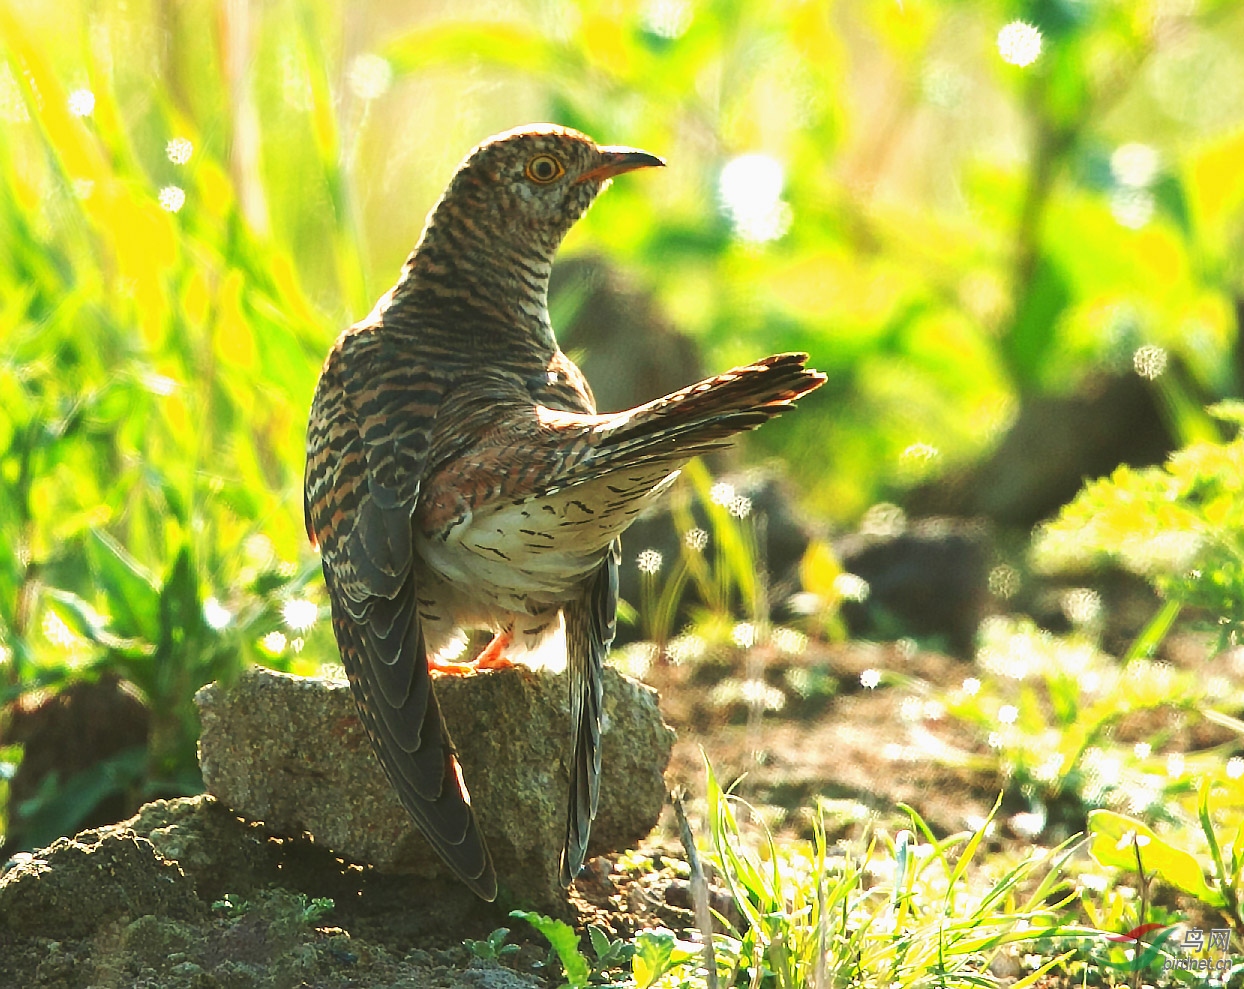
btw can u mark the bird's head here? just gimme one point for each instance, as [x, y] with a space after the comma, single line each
[529, 185]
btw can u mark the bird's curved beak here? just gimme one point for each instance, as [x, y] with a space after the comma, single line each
[616, 160]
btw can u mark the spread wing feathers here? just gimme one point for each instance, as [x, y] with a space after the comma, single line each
[671, 430]
[590, 626]
[367, 441]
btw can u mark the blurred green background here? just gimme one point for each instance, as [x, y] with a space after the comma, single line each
[196, 196]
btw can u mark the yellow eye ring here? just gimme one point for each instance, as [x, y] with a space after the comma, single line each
[544, 169]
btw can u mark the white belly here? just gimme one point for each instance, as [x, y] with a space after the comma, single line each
[514, 565]
[535, 554]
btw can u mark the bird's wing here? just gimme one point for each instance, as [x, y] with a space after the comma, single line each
[590, 626]
[596, 472]
[367, 442]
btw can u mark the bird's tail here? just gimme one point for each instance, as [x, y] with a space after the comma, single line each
[703, 416]
[590, 627]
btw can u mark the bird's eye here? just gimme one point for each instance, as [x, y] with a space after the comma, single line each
[545, 169]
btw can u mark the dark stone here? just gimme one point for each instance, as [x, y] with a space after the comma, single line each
[617, 335]
[68, 733]
[931, 580]
[1056, 443]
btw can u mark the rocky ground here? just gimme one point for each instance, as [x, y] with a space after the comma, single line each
[189, 894]
[195, 892]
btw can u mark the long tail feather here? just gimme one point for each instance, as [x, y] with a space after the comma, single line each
[590, 627]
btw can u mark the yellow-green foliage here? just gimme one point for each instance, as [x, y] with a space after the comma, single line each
[1181, 526]
[1048, 707]
[906, 911]
[155, 366]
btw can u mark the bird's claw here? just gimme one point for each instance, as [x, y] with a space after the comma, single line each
[491, 657]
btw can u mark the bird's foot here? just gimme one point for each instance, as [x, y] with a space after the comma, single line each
[444, 668]
[491, 658]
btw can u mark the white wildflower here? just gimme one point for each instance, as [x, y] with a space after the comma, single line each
[300, 614]
[81, 102]
[649, 561]
[216, 614]
[172, 198]
[1019, 43]
[179, 150]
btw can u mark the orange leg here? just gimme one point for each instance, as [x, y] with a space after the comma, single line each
[491, 657]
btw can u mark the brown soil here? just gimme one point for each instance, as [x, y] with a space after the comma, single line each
[874, 747]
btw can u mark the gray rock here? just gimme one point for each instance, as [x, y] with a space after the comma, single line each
[1055, 442]
[290, 752]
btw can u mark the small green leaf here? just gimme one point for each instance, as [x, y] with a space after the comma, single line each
[1125, 843]
[1228, 411]
[656, 952]
[181, 613]
[492, 947]
[600, 942]
[564, 941]
[314, 909]
[270, 581]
